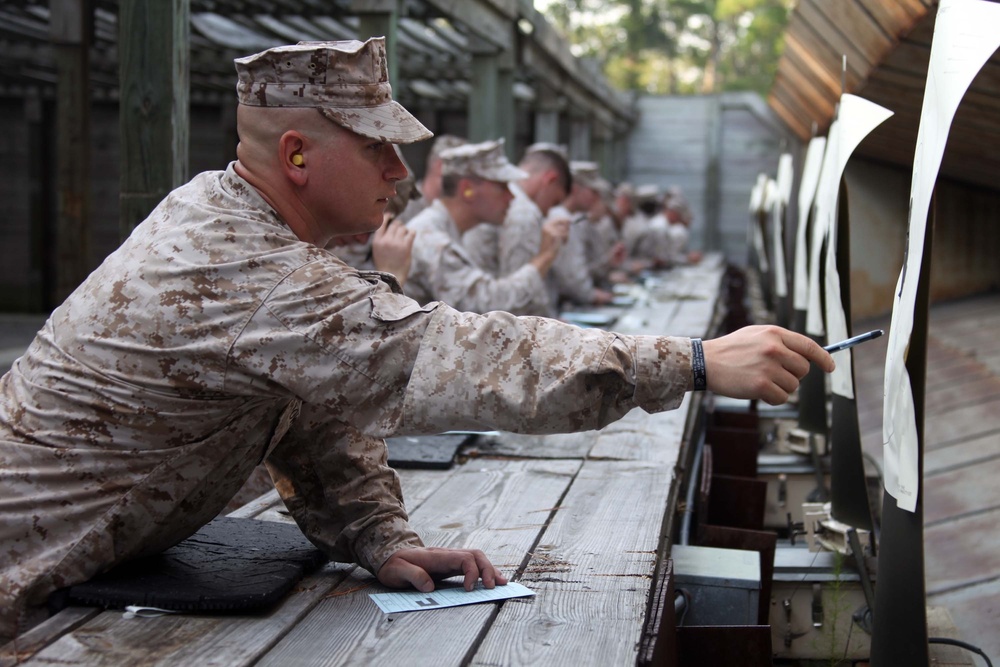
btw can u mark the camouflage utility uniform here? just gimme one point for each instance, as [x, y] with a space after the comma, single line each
[213, 339]
[443, 270]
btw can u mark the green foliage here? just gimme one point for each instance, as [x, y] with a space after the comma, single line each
[677, 46]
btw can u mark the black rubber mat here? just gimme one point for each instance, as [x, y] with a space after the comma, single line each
[426, 451]
[228, 565]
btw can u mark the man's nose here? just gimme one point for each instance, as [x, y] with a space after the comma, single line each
[395, 170]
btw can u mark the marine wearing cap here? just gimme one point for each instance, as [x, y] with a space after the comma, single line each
[348, 81]
[486, 160]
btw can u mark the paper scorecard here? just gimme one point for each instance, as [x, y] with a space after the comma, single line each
[779, 204]
[966, 34]
[758, 198]
[807, 194]
[446, 595]
[814, 316]
[858, 118]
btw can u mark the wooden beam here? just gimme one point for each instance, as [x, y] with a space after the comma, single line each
[485, 19]
[153, 38]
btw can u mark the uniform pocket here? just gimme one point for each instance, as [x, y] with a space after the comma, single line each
[387, 307]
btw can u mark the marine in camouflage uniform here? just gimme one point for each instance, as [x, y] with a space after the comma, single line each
[221, 334]
[505, 249]
[442, 268]
[570, 278]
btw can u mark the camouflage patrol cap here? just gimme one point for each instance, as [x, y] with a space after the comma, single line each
[587, 174]
[647, 193]
[348, 81]
[539, 146]
[486, 160]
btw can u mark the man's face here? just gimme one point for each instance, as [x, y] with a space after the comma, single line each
[544, 188]
[355, 178]
[491, 200]
[431, 186]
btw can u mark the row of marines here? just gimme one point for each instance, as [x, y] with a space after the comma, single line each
[526, 239]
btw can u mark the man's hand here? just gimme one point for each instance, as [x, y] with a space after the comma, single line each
[554, 235]
[600, 297]
[617, 255]
[419, 567]
[764, 362]
[391, 250]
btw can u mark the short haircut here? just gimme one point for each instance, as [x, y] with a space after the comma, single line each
[449, 184]
[543, 160]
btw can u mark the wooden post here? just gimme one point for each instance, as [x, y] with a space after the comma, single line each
[547, 114]
[506, 108]
[153, 50]
[71, 28]
[40, 294]
[380, 18]
[579, 138]
[483, 121]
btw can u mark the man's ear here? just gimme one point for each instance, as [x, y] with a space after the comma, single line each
[293, 157]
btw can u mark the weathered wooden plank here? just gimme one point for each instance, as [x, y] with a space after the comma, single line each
[40, 636]
[498, 506]
[153, 49]
[891, 17]
[969, 489]
[640, 436]
[187, 639]
[963, 423]
[962, 552]
[976, 612]
[864, 34]
[592, 570]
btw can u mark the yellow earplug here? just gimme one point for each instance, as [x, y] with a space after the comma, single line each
[298, 160]
[468, 192]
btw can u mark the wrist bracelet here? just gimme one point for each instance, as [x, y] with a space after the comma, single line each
[698, 365]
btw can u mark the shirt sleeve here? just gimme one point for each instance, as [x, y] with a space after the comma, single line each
[385, 364]
[337, 485]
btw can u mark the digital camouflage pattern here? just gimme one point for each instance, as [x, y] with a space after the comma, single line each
[486, 160]
[213, 339]
[569, 279]
[348, 81]
[443, 270]
[601, 237]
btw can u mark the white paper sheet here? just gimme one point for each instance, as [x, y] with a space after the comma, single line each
[820, 227]
[857, 118]
[966, 34]
[758, 199]
[779, 204]
[446, 595]
[807, 194]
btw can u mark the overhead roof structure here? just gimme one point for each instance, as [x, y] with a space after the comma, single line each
[437, 40]
[887, 47]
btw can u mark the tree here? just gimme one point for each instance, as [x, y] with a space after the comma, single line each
[671, 46]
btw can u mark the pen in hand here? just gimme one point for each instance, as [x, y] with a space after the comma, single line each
[851, 342]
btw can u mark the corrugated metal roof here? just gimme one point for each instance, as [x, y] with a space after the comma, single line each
[887, 44]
